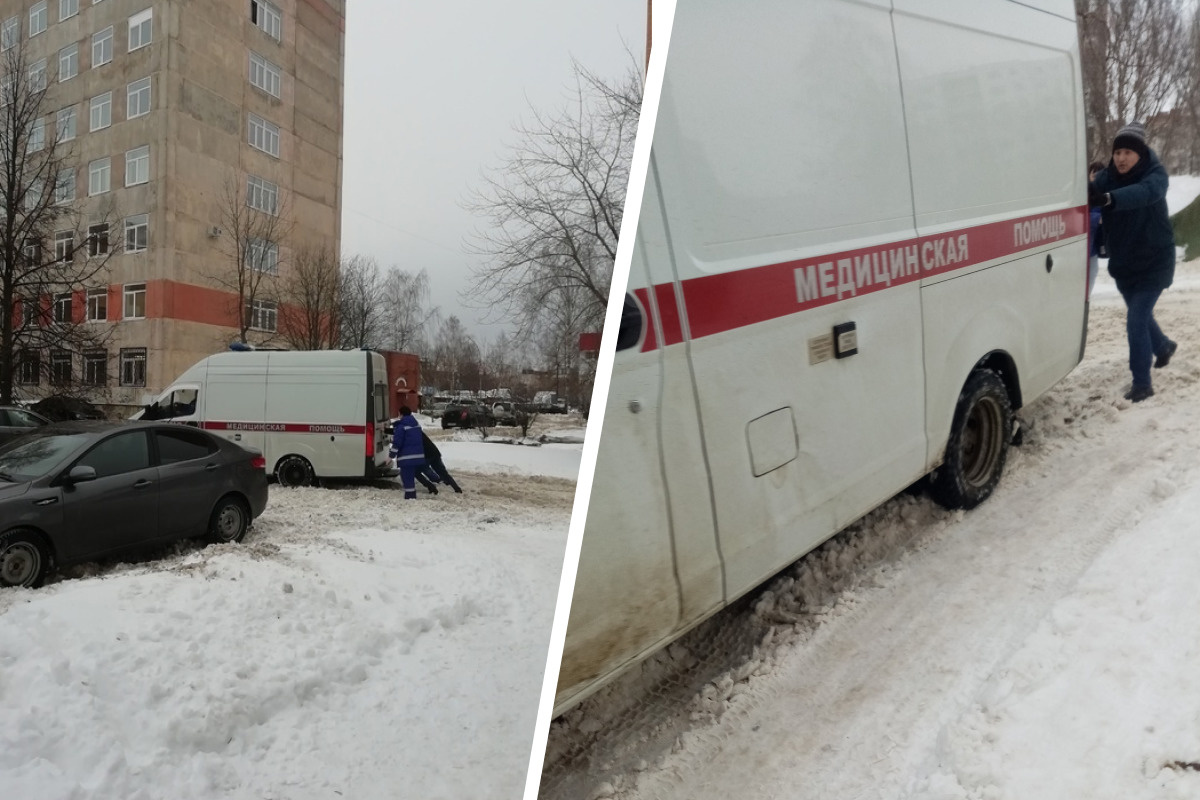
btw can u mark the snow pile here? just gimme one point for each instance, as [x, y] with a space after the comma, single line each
[355, 645]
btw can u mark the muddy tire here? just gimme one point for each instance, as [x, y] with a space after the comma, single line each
[978, 445]
[24, 558]
[294, 471]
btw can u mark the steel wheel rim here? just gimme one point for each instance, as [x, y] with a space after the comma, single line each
[982, 441]
[229, 522]
[19, 564]
[293, 473]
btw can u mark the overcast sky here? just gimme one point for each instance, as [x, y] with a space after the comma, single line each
[432, 93]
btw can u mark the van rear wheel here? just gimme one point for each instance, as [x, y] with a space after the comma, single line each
[294, 471]
[978, 445]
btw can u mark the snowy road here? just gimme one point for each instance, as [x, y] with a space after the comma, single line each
[355, 645]
[1043, 645]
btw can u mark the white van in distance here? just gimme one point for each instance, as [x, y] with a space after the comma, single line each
[313, 414]
[861, 247]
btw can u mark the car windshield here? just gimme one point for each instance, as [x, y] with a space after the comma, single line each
[34, 455]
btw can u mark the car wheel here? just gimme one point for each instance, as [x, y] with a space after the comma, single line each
[978, 445]
[229, 521]
[24, 559]
[294, 471]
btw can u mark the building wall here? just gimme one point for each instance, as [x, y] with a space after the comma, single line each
[198, 135]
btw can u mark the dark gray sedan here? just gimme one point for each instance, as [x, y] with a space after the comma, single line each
[79, 491]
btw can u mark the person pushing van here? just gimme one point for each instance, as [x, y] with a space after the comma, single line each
[410, 452]
[1131, 195]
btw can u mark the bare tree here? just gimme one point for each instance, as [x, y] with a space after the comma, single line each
[1139, 62]
[255, 226]
[456, 353]
[361, 308]
[407, 315]
[309, 305]
[556, 204]
[51, 250]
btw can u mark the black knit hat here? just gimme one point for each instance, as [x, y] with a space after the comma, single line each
[1132, 137]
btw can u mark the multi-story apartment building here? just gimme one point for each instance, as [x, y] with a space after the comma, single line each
[166, 104]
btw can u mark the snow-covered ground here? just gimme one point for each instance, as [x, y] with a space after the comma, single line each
[1044, 645]
[354, 646]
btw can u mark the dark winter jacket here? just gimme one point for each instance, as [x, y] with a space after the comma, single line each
[1137, 228]
[431, 450]
[406, 441]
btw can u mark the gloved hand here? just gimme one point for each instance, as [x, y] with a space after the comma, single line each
[1095, 197]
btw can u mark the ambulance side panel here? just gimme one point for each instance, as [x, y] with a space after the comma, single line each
[649, 561]
[996, 132]
[236, 391]
[326, 394]
[800, 443]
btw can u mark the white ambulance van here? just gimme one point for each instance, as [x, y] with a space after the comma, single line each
[861, 248]
[313, 414]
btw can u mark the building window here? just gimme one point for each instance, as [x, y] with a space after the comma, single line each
[265, 75]
[140, 29]
[67, 8]
[99, 176]
[62, 308]
[262, 315]
[101, 111]
[135, 301]
[33, 195]
[64, 245]
[68, 62]
[102, 47]
[10, 32]
[98, 239]
[97, 305]
[133, 366]
[95, 368]
[32, 249]
[37, 136]
[264, 135]
[137, 234]
[29, 369]
[64, 186]
[262, 195]
[66, 124]
[29, 313]
[60, 367]
[38, 18]
[137, 166]
[262, 256]
[138, 97]
[267, 17]
[37, 76]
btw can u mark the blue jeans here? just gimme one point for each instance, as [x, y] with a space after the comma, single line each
[1145, 338]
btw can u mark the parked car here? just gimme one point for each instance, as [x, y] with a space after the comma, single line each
[467, 415]
[504, 413]
[16, 422]
[77, 491]
[60, 408]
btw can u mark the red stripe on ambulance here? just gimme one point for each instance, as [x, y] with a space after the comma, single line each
[720, 303]
[283, 427]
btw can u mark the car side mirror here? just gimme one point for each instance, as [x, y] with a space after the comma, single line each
[81, 474]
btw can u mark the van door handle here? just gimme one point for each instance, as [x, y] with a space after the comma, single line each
[1049, 262]
[142, 484]
[209, 467]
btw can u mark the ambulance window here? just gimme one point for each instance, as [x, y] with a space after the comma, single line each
[381, 414]
[631, 324]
